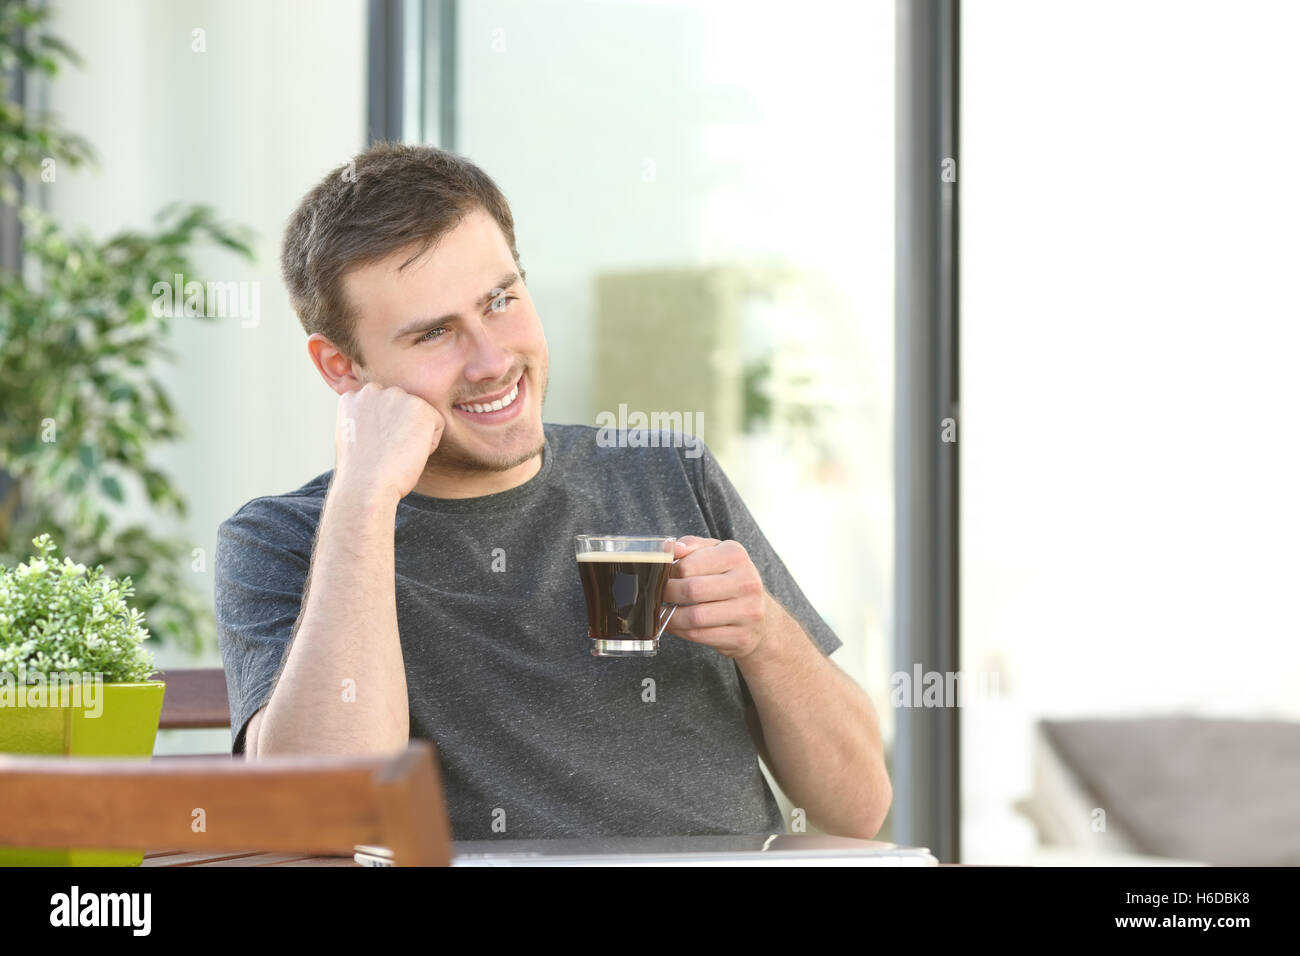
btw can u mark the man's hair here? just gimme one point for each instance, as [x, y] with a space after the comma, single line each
[388, 198]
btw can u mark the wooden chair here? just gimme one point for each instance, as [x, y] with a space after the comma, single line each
[323, 805]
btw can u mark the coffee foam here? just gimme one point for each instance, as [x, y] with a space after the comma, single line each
[627, 557]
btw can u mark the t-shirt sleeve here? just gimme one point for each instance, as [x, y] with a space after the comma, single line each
[262, 564]
[729, 519]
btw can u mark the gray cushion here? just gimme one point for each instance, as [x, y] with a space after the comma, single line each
[1223, 791]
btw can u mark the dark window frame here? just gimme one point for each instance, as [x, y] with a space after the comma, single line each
[927, 765]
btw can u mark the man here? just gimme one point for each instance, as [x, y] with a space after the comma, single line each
[427, 585]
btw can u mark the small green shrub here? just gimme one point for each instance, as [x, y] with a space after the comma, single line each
[60, 617]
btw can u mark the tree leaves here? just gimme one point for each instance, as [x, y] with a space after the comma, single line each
[111, 487]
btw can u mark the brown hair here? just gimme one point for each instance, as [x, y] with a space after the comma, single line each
[388, 198]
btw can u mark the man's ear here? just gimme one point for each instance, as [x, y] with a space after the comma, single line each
[340, 373]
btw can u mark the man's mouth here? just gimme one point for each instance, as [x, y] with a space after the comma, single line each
[494, 407]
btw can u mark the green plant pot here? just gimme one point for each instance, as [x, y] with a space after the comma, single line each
[126, 726]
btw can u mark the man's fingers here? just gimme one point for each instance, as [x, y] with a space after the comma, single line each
[693, 617]
[689, 543]
[686, 546]
[715, 558]
[719, 638]
[698, 589]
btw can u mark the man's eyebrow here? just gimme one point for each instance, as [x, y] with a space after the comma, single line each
[423, 325]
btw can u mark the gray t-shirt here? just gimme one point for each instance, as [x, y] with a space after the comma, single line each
[530, 729]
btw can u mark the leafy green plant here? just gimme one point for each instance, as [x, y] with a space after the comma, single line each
[78, 340]
[62, 618]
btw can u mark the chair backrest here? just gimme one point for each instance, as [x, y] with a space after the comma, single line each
[195, 699]
[290, 803]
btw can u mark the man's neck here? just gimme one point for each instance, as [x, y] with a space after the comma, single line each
[442, 483]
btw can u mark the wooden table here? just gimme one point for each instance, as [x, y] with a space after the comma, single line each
[238, 858]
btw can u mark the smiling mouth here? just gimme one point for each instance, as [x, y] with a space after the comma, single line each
[503, 401]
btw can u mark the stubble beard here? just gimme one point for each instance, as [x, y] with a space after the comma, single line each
[453, 457]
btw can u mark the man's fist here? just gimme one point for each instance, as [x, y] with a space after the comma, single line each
[723, 602]
[384, 437]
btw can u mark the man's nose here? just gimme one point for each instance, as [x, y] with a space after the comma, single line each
[488, 360]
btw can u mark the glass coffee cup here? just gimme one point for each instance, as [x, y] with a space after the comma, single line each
[623, 579]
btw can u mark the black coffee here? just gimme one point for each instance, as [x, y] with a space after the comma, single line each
[624, 591]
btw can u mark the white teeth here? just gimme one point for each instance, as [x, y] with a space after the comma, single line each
[499, 404]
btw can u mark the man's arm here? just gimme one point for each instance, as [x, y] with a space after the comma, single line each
[250, 736]
[347, 632]
[818, 730]
[342, 687]
[821, 739]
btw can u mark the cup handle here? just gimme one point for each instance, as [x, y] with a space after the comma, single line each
[665, 618]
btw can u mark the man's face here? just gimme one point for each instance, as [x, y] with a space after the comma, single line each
[457, 327]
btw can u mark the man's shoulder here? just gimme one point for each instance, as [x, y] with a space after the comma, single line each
[294, 511]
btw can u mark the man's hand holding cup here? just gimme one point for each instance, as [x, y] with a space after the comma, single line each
[721, 600]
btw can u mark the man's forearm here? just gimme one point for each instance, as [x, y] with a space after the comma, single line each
[820, 730]
[343, 686]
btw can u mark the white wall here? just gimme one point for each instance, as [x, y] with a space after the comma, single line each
[1129, 335]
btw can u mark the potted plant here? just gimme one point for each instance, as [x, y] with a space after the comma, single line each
[74, 677]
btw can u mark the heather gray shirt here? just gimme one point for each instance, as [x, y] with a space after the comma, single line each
[529, 727]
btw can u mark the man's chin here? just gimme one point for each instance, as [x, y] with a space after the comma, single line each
[485, 458]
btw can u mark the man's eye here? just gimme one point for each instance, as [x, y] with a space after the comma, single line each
[499, 304]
